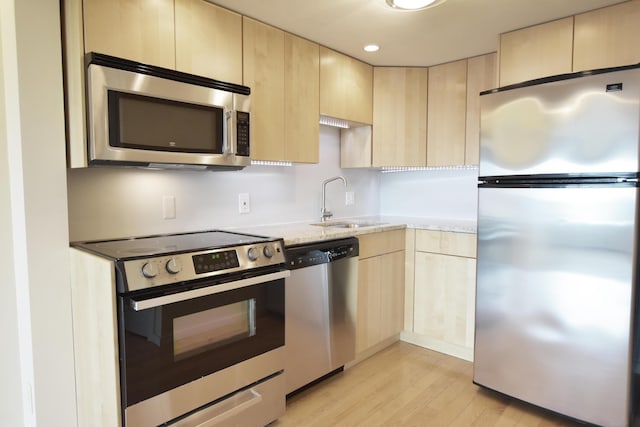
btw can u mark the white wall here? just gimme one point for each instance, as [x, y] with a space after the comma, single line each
[435, 194]
[120, 202]
[36, 361]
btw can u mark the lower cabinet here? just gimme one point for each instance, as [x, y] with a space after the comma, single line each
[443, 297]
[380, 291]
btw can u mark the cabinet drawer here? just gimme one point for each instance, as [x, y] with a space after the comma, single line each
[381, 243]
[448, 243]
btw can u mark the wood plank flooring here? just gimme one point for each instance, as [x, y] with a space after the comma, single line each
[406, 385]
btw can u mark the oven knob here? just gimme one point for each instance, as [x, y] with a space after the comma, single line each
[149, 270]
[173, 266]
[267, 251]
[252, 254]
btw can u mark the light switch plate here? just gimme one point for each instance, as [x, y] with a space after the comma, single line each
[168, 207]
[350, 198]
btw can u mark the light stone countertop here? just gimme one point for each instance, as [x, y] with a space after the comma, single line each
[303, 232]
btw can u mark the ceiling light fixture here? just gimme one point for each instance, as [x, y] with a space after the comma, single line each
[413, 4]
[371, 48]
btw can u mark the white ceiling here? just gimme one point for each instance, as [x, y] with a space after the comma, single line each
[453, 30]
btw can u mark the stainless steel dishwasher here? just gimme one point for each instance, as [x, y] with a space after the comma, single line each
[320, 310]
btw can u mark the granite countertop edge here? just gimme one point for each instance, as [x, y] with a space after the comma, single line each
[304, 232]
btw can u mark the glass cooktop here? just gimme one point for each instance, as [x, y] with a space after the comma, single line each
[165, 244]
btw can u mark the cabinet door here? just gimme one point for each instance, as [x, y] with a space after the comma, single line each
[263, 56]
[447, 104]
[346, 87]
[481, 75]
[302, 99]
[137, 30]
[538, 51]
[380, 299]
[208, 41]
[444, 298]
[607, 37]
[400, 116]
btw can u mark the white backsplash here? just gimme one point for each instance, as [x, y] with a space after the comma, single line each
[113, 202]
[121, 202]
[445, 193]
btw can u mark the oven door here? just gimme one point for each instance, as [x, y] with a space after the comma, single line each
[169, 340]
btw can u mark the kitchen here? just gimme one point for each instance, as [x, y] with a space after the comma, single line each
[43, 184]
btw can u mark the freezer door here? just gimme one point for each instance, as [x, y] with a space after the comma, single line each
[586, 125]
[555, 284]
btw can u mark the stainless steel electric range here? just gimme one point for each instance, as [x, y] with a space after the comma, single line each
[200, 327]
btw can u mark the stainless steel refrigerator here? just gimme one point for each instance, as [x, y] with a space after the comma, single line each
[558, 244]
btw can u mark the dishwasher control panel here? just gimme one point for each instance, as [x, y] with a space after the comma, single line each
[324, 252]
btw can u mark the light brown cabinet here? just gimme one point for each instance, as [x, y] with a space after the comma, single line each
[263, 57]
[447, 104]
[537, 51]
[193, 36]
[282, 71]
[140, 30]
[607, 37]
[400, 116]
[380, 291]
[443, 298]
[208, 40]
[346, 87]
[481, 76]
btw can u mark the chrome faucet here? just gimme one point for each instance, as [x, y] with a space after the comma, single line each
[325, 213]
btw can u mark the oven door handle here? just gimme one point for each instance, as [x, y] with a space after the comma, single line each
[144, 304]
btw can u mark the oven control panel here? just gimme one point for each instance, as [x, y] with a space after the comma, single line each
[215, 261]
[155, 271]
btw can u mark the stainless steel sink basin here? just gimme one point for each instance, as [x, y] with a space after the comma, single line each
[347, 224]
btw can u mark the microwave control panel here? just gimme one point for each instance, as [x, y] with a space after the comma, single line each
[242, 132]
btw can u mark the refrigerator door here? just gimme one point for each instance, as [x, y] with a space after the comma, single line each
[583, 125]
[556, 271]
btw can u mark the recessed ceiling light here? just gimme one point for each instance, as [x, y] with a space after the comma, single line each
[371, 48]
[412, 4]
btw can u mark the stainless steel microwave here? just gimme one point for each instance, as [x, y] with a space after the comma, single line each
[150, 116]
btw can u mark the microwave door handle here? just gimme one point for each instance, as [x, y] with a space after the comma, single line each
[229, 147]
[144, 304]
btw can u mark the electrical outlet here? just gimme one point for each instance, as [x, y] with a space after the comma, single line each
[350, 198]
[244, 204]
[168, 207]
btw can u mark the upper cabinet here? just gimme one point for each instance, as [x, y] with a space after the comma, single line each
[447, 104]
[193, 36]
[481, 76]
[208, 40]
[346, 87]
[400, 116]
[137, 30]
[538, 51]
[607, 37]
[282, 71]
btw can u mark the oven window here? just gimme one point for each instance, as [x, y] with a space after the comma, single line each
[203, 331]
[148, 123]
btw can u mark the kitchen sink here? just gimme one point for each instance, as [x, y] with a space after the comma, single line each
[347, 224]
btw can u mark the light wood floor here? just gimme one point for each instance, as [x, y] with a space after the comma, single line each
[406, 385]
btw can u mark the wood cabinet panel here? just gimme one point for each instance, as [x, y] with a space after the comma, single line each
[380, 299]
[208, 40]
[537, 51]
[447, 104]
[482, 74]
[346, 87]
[137, 30]
[381, 243]
[400, 116]
[355, 147]
[459, 244]
[444, 298]
[302, 93]
[607, 37]
[263, 57]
